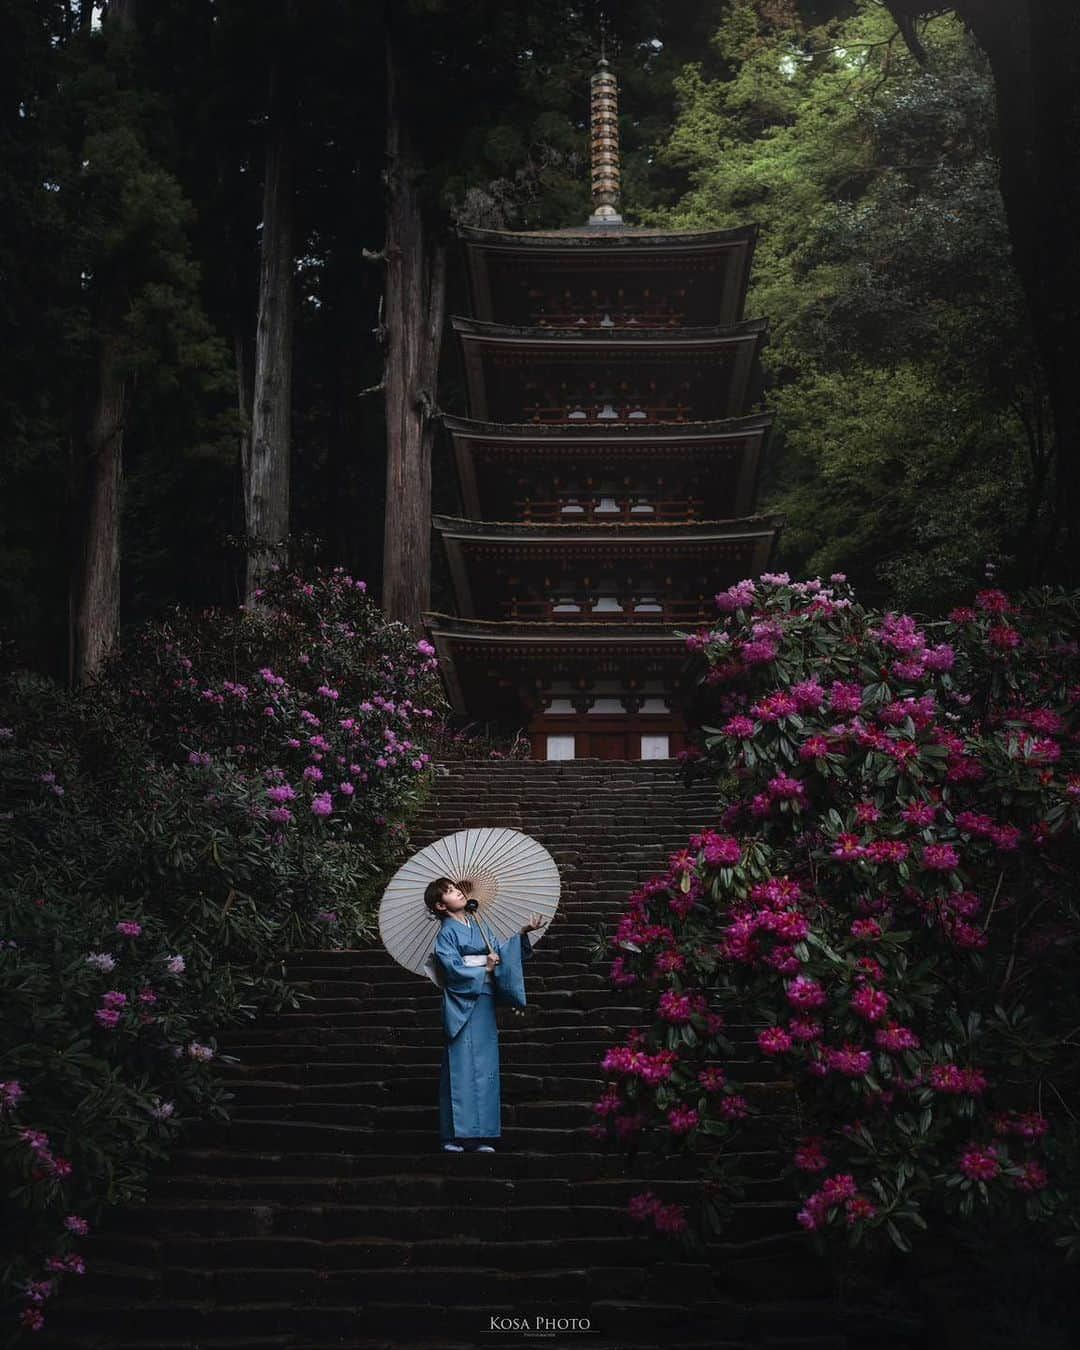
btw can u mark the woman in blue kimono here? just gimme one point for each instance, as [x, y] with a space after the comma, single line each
[469, 1103]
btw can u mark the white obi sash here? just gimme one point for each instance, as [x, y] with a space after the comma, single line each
[435, 975]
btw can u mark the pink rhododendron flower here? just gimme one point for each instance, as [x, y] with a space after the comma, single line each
[980, 1163]
[1033, 1178]
[845, 697]
[806, 993]
[808, 695]
[810, 1156]
[805, 1029]
[895, 1038]
[644, 1206]
[940, 857]
[859, 1209]
[682, 1120]
[919, 813]
[870, 1003]
[849, 1060]
[679, 1008]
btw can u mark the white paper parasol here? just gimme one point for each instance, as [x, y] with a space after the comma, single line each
[509, 874]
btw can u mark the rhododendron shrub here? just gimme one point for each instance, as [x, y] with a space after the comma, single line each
[236, 785]
[887, 908]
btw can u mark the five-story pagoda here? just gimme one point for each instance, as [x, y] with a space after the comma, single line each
[608, 473]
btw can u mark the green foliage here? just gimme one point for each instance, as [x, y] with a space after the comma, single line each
[169, 797]
[102, 262]
[890, 906]
[912, 436]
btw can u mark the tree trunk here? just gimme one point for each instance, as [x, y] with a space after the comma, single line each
[1033, 47]
[266, 461]
[94, 603]
[415, 309]
[95, 608]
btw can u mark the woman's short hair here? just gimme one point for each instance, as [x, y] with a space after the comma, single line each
[434, 892]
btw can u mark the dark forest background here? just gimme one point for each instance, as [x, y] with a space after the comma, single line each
[157, 161]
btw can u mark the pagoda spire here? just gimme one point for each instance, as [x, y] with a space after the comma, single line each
[605, 146]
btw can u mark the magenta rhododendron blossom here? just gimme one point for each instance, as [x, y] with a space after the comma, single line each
[980, 1163]
[890, 785]
[871, 1004]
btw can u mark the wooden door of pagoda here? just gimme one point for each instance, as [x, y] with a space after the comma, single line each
[607, 742]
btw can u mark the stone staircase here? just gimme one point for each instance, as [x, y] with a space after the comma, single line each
[324, 1213]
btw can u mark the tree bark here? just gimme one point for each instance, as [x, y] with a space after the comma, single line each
[94, 600]
[415, 311]
[265, 457]
[1033, 47]
[95, 608]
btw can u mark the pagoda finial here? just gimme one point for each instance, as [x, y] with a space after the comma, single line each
[605, 144]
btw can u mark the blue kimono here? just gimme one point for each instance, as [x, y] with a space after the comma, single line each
[469, 1097]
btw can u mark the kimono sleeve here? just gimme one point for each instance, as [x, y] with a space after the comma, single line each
[509, 977]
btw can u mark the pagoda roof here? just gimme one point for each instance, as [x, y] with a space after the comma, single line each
[458, 640]
[634, 436]
[489, 454]
[636, 531]
[502, 361]
[506, 333]
[476, 550]
[714, 263]
[601, 237]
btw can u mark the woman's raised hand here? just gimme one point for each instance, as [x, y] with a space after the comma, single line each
[535, 921]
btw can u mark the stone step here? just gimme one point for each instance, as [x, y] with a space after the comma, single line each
[442, 1284]
[392, 1114]
[162, 1252]
[337, 982]
[426, 998]
[554, 980]
[419, 1088]
[345, 1047]
[492, 1223]
[320, 1135]
[393, 1025]
[410, 1318]
[589, 1044]
[433, 1189]
[582, 1167]
[378, 1075]
[361, 959]
[385, 1104]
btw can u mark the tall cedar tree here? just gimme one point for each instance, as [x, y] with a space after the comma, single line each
[265, 462]
[95, 583]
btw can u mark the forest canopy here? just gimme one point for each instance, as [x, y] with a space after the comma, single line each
[198, 294]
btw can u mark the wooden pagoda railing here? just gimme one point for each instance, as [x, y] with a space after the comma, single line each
[627, 508]
[607, 412]
[607, 318]
[557, 611]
